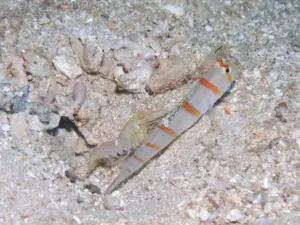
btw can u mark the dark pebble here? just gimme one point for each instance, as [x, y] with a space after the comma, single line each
[93, 189]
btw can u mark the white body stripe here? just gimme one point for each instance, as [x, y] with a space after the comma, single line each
[182, 121]
[201, 98]
[146, 152]
[159, 137]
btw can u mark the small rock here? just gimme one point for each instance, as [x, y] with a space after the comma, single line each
[119, 71]
[44, 20]
[236, 179]
[234, 199]
[53, 123]
[71, 175]
[35, 160]
[267, 183]
[274, 75]
[252, 76]
[18, 125]
[204, 214]
[112, 202]
[281, 111]
[31, 174]
[174, 9]
[242, 37]
[235, 215]
[43, 111]
[18, 104]
[94, 189]
[208, 28]
[278, 93]
[45, 114]
[67, 67]
[5, 127]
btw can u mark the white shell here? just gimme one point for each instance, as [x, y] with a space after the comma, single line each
[174, 9]
[136, 80]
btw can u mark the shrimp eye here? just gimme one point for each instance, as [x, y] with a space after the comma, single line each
[227, 70]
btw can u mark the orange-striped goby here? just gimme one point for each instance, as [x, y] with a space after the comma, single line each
[207, 91]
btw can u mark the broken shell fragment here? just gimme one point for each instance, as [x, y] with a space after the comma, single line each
[67, 67]
[90, 55]
[108, 67]
[91, 59]
[136, 80]
[78, 96]
[176, 10]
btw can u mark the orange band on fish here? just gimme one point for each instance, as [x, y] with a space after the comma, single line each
[139, 159]
[222, 64]
[150, 145]
[210, 86]
[229, 77]
[190, 109]
[168, 130]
